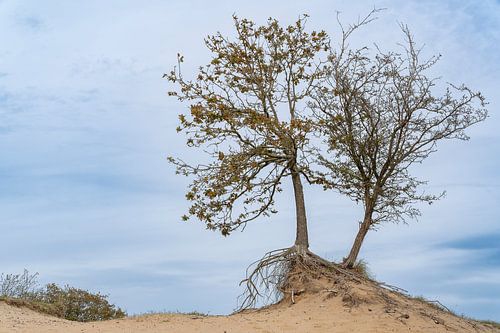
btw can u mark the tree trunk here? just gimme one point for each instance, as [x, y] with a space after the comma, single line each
[302, 238]
[363, 229]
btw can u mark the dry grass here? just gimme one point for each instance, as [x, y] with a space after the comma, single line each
[37, 306]
[176, 312]
[491, 323]
[361, 268]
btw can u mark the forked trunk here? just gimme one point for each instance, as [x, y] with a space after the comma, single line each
[363, 230]
[302, 238]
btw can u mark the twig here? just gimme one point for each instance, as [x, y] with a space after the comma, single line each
[393, 288]
[440, 304]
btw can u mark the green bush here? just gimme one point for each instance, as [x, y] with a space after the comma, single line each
[80, 305]
[68, 302]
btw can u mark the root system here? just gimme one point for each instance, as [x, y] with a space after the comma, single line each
[286, 273]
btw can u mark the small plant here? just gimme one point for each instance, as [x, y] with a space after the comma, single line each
[361, 267]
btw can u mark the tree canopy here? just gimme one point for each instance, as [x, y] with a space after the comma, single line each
[381, 113]
[247, 112]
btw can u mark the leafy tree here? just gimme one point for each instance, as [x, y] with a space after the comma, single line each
[247, 112]
[381, 113]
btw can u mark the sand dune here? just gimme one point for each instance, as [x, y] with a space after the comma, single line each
[319, 312]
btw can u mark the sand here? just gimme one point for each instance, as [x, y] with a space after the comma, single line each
[311, 313]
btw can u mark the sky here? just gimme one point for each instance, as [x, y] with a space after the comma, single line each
[87, 197]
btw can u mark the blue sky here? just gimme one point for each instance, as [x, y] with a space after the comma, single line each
[87, 197]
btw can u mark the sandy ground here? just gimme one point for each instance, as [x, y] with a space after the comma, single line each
[316, 313]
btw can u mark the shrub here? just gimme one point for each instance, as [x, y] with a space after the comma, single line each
[80, 305]
[23, 286]
[68, 302]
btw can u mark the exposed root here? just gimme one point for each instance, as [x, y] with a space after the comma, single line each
[286, 273]
[265, 278]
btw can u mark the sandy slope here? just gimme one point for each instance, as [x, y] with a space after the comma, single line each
[311, 313]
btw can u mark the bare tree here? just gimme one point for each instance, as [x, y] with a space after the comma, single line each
[381, 114]
[249, 114]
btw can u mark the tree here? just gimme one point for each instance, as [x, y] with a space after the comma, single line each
[248, 112]
[381, 114]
